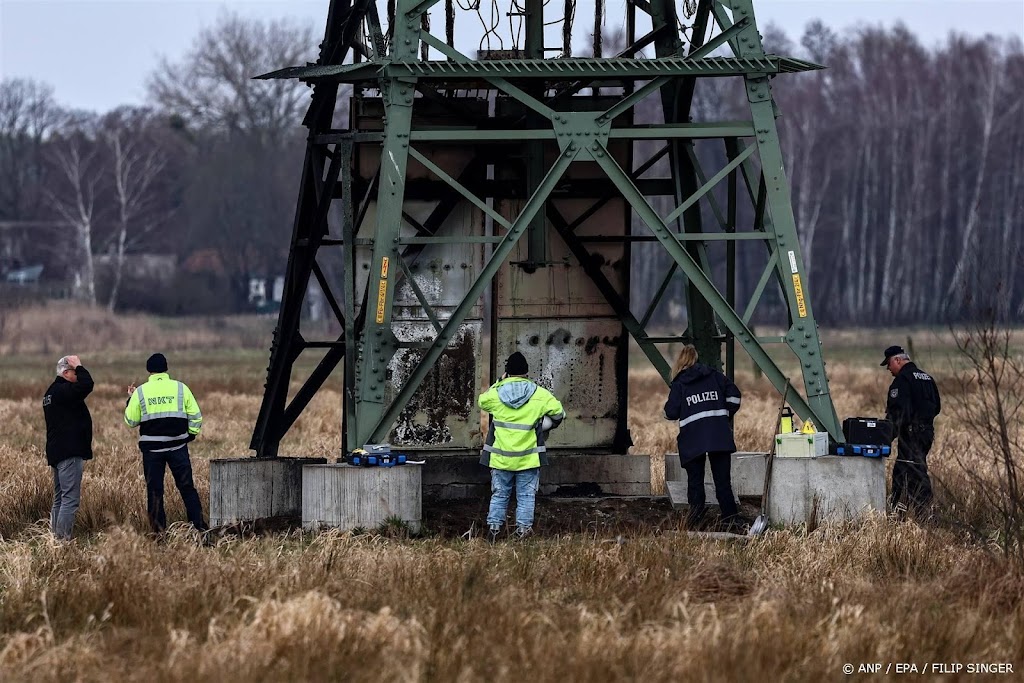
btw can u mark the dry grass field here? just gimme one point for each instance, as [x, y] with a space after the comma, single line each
[796, 605]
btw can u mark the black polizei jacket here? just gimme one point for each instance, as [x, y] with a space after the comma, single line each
[68, 422]
[703, 399]
[913, 399]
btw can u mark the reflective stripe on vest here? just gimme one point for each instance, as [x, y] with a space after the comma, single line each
[733, 399]
[143, 437]
[515, 454]
[514, 425]
[130, 422]
[721, 412]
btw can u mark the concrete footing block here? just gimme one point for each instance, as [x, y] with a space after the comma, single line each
[250, 489]
[457, 477]
[747, 474]
[617, 475]
[829, 488]
[350, 497]
[673, 469]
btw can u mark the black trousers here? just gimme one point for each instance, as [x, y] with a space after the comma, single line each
[910, 473]
[721, 466]
[153, 467]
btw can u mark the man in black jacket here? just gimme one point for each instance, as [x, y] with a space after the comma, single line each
[703, 401]
[68, 440]
[911, 406]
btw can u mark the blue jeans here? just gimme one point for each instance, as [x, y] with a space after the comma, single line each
[67, 494]
[153, 465]
[526, 484]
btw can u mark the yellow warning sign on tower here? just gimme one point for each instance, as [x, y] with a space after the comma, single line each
[382, 289]
[801, 305]
[382, 296]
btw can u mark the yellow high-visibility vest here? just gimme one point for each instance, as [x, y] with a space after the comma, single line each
[514, 446]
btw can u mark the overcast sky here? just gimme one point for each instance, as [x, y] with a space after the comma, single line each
[98, 53]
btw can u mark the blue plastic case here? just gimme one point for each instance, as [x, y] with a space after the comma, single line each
[864, 450]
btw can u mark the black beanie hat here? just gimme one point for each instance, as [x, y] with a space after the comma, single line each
[156, 363]
[516, 364]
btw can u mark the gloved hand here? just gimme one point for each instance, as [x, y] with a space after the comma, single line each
[546, 424]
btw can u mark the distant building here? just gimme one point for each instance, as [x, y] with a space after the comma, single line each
[29, 275]
[258, 288]
[151, 267]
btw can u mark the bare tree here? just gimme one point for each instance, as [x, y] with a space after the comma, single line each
[807, 126]
[991, 398]
[135, 165]
[213, 86]
[905, 166]
[244, 156]
[775, 40]
[924, 171]
[77, 163]
[239, 203]
[1010, 222]
[989, 73]
[28, 115]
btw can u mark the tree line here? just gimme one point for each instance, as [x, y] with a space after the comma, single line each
[906, 165]
[906, 168]
[205, 173]
[909, 175]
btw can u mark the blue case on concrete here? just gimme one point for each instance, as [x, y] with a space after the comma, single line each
[867, 451]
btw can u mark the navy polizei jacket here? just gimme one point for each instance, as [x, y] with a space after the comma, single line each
[913, 399]
[703, 399]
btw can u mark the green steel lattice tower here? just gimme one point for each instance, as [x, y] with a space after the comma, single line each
[517, 172]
